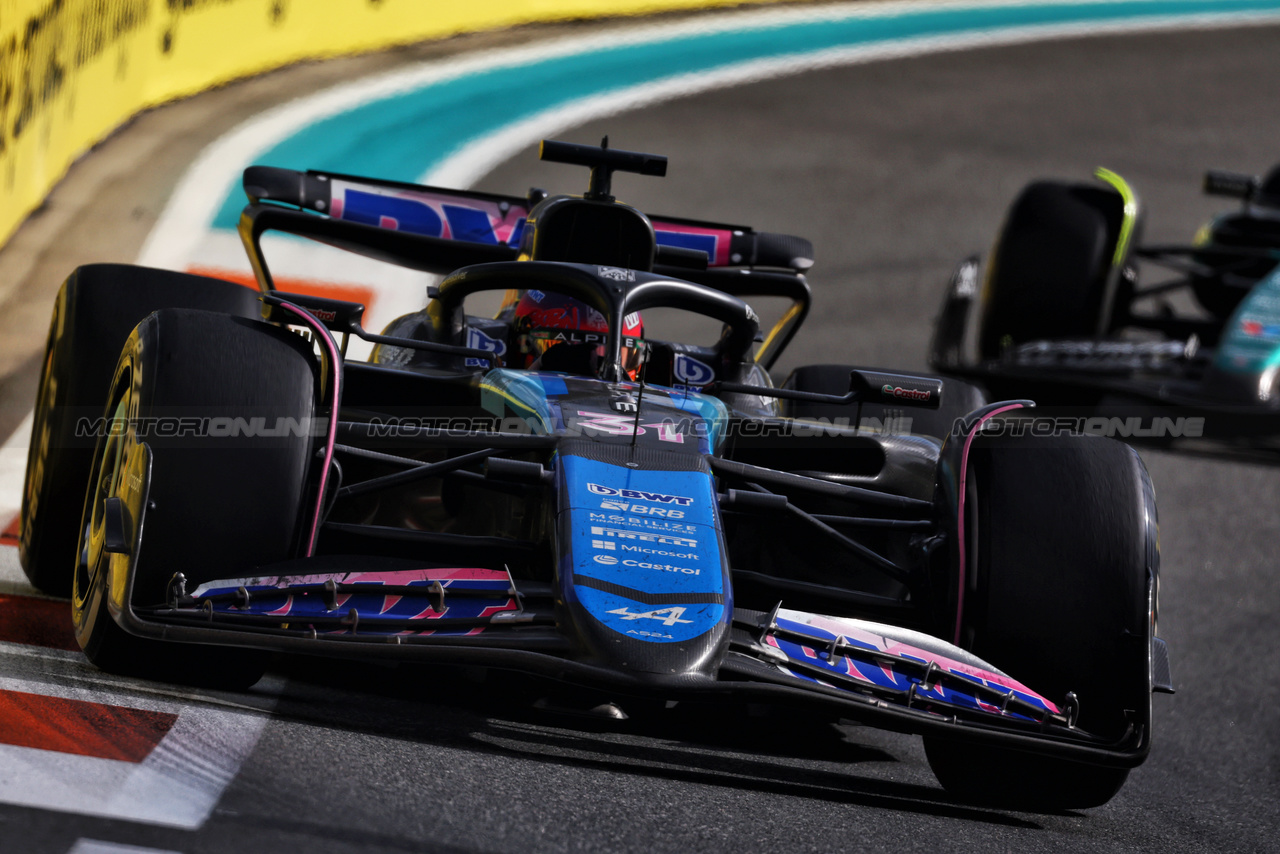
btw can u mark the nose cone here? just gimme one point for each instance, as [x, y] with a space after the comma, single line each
[643, 573]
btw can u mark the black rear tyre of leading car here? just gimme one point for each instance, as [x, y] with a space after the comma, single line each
[96, 309]
[1047, 274]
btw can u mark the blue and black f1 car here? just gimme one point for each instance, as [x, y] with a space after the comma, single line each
[1158, 342]
[642, 518]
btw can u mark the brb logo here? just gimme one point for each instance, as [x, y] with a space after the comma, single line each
[640, 495]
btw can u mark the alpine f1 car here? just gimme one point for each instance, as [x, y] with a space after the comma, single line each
[1152, 342]
[553, 491]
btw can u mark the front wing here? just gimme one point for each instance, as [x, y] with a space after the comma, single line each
[878, 675]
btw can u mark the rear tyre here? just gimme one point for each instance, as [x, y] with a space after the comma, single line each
[96, 309]
[1047, 276]
[1058, 599]
[219, 505]
[959, 398]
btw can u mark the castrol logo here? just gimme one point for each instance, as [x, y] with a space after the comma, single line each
[901, 393]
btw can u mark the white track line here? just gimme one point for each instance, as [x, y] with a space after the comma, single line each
[13, 468]
[95, 846]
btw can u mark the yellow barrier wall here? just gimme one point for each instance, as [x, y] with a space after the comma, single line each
[73, 70]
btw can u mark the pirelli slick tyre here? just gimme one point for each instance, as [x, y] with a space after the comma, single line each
[959, 398]
[1058, 598]
[219, 502]
[1047, 274]
[96, 309]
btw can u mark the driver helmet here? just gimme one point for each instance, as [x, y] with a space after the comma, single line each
[544, 320]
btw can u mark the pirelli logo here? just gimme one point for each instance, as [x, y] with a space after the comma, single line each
[644, 537]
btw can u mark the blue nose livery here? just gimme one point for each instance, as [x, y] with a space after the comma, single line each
[644, 559]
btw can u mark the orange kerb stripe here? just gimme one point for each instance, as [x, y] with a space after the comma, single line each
[85, 729]
[363, 294]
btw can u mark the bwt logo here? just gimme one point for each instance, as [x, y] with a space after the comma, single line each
[901, 393]
[639, 495]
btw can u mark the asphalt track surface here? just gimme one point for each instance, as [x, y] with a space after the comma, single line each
[895, 170]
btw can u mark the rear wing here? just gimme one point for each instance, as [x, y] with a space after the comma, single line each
[492, 220]
[438, 230]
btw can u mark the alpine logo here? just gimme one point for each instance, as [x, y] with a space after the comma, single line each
[900, 393]
[617, 274]
[667, 616]
[640, 495]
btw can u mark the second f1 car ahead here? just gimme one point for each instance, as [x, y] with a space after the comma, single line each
[1066, 310]
[554, 490]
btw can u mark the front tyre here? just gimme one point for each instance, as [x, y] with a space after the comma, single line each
[1059, 598]
[223, 499]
